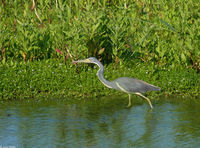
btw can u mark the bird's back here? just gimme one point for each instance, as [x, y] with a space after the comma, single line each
[133, 85]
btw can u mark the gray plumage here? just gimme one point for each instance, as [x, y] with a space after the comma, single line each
[132, 85]
[125, 84]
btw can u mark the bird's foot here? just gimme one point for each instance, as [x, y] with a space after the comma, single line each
[129, 105]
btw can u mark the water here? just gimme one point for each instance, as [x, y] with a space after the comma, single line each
[100, 123]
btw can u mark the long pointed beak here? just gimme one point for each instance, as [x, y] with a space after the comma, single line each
[83, 61]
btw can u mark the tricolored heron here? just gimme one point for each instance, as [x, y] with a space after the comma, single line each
[125, 84]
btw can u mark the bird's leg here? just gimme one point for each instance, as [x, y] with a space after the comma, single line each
[129, 100]
[146, 99]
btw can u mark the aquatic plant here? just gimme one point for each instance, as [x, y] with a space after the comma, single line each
[52, 78]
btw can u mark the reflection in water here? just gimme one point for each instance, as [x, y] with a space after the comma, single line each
[99, 123]
[189, 128]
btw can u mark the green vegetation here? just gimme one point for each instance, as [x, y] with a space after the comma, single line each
[154, 41]
[52, 78]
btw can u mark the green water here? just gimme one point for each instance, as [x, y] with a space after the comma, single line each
[100, 123]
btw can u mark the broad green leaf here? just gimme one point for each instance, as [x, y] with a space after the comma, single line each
[101, 51]
[183, 58]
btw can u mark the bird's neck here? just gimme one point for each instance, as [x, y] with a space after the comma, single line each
[101, 77]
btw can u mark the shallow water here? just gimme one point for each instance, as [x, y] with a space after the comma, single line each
[100, 123]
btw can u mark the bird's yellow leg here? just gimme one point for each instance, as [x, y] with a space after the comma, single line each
[129, 100]
[146, 99]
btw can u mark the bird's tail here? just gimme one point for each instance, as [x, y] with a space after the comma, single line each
[150, 87]
[153, 88]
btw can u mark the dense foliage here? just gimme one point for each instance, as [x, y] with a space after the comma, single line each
[52, 78]
[165, 32]
[157, 41]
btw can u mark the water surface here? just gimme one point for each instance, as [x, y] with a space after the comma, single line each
[102, 122]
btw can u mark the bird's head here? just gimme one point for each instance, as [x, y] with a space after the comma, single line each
[89, 60]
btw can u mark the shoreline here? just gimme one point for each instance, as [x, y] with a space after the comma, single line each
[52, 78]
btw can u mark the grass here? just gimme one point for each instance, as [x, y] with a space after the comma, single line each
[54, 79]
[154, 41]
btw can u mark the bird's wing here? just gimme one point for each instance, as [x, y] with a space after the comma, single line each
[134, 85]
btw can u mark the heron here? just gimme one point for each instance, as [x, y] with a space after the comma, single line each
[125, 84]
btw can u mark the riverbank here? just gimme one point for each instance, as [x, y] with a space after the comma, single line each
[156, 42]
[52, 78]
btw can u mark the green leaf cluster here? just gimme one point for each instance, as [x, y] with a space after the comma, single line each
[164, 32]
